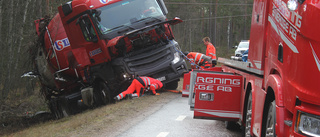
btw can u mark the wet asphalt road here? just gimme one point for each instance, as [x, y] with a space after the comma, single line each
[176, 120]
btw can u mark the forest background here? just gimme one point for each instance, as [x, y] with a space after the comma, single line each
[226, 22]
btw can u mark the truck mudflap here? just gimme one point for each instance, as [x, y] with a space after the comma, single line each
[186, 85]
[215, 95]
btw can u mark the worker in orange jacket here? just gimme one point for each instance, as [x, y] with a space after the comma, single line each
[199, 59]
[211, 50]
[141, 85]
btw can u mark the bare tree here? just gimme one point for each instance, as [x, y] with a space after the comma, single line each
[21, 33]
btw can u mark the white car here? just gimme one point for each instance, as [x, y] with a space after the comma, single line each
[241, 48]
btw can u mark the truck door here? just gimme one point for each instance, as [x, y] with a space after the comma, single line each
[215, 95]
[83, 33]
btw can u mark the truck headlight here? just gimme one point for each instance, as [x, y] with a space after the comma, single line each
[126, 76]
[307, 124]
[176, 58]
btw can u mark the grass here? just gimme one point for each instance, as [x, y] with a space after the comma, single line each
[109, 120]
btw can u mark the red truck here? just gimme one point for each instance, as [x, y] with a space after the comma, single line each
[275, 93]
[90, 51]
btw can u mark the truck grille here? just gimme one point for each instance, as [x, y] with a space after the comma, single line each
[148, 58]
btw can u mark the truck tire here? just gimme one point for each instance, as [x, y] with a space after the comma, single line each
[172, 85]
[231, 125]
[246, 130]
[101, 94]
[271, 121]
[65, 108]
[55, 108]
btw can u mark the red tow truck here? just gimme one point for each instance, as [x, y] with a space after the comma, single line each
[90, 51]
[277, 92]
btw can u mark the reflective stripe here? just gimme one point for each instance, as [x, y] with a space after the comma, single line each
[147, 80]
[121, 95]
[155, 87]
[212, 54]
[219, 113]
[195, 59]
[200, 59]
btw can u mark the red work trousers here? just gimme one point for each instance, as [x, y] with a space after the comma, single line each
[135, 86]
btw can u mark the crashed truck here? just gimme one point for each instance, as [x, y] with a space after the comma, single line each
[92, 49]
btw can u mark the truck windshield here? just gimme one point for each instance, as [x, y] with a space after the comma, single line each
[122, 15]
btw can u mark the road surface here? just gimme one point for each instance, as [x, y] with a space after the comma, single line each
[175, 119]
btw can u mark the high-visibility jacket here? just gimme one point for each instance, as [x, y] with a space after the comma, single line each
[211, 51]
[199, 59]
[141, 84]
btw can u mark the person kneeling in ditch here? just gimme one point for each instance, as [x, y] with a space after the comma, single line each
[141, 85]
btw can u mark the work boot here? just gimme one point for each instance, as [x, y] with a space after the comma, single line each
[116, 98]
[131, 96]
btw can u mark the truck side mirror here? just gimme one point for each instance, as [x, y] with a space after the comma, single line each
[67, 8]
[96, 14]
[175, 21]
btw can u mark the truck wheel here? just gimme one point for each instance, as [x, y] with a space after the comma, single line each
[65, 111]
[248, 116]
[172, 85]
[53, 106]
[101, 94]
[271, 120]
[64, 107]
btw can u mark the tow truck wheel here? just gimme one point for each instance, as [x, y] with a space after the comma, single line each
[248, 116]
[231, 125]
[271, 120]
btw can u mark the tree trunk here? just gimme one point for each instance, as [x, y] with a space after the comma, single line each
[21, 33]
[215, 24]
[9, 43]
[1, 47]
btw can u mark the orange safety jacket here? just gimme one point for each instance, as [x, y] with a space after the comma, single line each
[211, 51]
[150, 84]
[144, 83]
[199, 58]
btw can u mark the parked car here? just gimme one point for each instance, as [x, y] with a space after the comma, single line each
[241, 48]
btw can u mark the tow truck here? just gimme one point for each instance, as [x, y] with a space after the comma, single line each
[276, 92]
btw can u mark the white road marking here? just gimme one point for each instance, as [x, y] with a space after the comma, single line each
[162, 134]
[180, 118]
